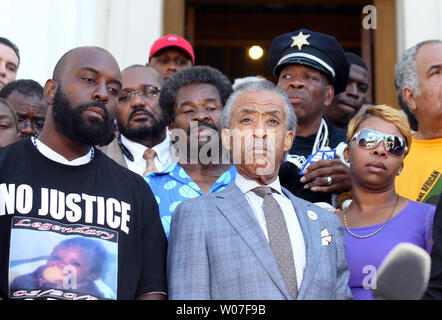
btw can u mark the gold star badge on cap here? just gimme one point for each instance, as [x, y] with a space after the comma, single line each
[300, 40]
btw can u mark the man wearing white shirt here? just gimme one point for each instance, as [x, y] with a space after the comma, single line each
[162, 160]
[255, 240]
[141, 123]
[293, 227]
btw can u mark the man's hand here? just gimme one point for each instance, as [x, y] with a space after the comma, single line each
[333, 176]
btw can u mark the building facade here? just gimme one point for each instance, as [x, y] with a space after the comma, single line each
[45, 29]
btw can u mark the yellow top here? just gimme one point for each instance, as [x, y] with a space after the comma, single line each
[420, 179]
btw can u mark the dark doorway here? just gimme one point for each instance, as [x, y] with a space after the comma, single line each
[222, 33]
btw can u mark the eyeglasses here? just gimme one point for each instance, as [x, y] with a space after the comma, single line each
[37, 125]
[369, 139]
[145, 92]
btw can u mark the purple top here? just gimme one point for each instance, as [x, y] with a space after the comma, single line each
[414, 224]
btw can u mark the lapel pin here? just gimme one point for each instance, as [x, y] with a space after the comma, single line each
[312, 215]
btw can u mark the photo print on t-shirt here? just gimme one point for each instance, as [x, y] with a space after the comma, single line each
[51, 260]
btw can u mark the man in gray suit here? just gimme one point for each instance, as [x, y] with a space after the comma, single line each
[142, 144]
[255, 240]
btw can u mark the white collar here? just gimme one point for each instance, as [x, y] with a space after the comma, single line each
[246, 185]
[137, 149]
[55, 156]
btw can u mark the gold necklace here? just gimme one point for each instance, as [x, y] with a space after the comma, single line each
[373, 233]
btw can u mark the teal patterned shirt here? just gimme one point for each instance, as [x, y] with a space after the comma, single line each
[173, 186]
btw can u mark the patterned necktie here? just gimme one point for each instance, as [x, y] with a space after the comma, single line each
[149, 155]
[279, 238]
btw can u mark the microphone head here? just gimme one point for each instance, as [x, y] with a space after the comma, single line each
[403, 274]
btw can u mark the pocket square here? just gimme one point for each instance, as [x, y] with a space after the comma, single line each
[326, 238]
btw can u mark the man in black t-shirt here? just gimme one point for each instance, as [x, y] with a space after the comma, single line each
[73, 223]
[311, 68]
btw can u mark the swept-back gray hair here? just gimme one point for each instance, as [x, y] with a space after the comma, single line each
[406, 73]
[261, 85]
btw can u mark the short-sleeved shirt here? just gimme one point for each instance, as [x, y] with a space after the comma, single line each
[173, 185]
[421, 178]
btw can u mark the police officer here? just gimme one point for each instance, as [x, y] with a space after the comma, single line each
[311, 67]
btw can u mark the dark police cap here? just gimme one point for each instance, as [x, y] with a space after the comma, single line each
[314, 49]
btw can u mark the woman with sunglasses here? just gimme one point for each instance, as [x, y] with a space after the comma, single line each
[378, 218]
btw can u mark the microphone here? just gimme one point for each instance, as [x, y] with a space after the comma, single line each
[403, 274]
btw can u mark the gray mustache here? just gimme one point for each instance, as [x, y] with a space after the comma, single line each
[259, 144]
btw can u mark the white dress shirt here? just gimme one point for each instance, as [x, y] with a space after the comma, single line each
[162, 160]
[293, 227]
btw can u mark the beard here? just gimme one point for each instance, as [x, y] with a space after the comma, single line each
[143, 132]
[69, 121]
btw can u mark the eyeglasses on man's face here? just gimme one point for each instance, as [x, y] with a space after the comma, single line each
[148, 92]
[36, 125]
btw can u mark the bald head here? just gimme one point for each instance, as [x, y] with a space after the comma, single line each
[140, 69]
[83, 96]
[139, 115]
[76, 53]
[137, 77]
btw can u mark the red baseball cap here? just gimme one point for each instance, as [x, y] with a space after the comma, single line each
[172, 40]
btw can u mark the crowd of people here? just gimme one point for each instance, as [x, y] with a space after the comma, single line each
[165, 181]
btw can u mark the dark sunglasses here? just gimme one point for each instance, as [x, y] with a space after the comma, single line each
[369, 139]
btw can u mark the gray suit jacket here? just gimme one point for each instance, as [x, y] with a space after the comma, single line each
[217, 250]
